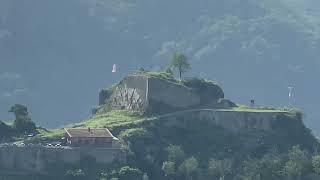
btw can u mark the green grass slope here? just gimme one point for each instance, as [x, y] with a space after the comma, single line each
[108, 120]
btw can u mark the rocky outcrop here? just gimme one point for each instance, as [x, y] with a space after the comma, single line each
[208, 91]
[225, 103]
[131, 93]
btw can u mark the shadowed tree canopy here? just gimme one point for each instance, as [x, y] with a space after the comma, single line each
[19, 110]
[22, 123]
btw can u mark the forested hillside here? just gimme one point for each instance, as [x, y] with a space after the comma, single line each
[256, 48]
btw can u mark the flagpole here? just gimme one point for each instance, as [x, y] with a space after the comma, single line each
[290, 95]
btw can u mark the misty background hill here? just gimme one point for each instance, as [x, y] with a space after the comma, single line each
[56, 55]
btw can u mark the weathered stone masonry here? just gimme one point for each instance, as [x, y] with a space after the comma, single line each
[37, 159]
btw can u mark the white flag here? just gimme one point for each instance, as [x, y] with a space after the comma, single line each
[114, 68]
[290, 92]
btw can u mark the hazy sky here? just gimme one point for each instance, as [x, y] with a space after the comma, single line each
[55, 57]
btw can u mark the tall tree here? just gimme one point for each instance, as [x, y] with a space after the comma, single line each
[220, 168]
[169, 169]
[145, 176]
[316, 164]
[298, 163]
[175, 154]
[189, 167]
[180, 63]
[22, 123]
[19, 110]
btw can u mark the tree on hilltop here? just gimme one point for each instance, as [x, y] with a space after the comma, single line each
[180, 63]
[22, 123]
[19, 110]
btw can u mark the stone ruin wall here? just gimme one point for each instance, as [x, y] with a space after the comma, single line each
[38, 159]
[174, 95]
[231, 120]
[136, 91]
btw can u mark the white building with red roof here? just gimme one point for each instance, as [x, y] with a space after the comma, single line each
[91, 137]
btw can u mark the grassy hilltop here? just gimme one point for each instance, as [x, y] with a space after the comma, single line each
[118, 118]
[158, 148]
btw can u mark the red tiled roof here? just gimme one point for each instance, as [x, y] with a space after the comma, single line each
[86, 132]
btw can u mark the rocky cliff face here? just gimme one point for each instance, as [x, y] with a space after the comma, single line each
[130, 93]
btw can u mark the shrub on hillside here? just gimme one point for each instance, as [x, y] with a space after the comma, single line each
[128, 173]
[77, 174]
[208, 90]
[24, 126]
[5, 130]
